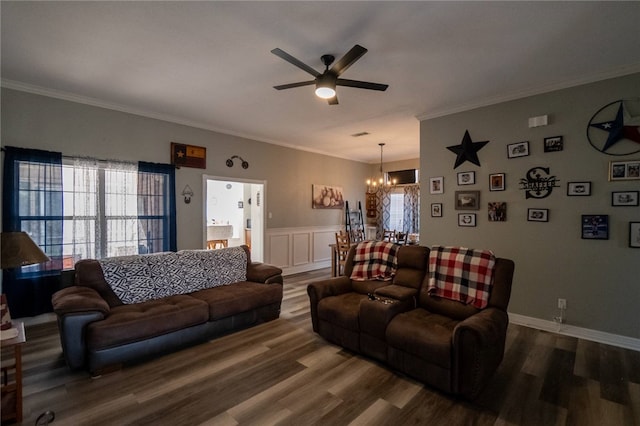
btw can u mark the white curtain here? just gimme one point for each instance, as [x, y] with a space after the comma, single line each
[81, 185]
[121, 211]
[101, 198]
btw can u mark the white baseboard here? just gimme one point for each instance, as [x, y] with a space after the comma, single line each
[579, 332]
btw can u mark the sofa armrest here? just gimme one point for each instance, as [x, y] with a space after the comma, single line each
[478, 349]
[263, 273]
[78, 299]
[318, 290]
[76, 307]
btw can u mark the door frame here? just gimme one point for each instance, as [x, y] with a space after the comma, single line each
[206, 178]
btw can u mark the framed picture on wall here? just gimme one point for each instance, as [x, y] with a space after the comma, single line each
[436, 209]
[624, 170]
[467, 200]
[538, 215]
[624, 198]
[466, 219]
[496, 182]
[595, 226]
[327, 197]
[518, 149]
[634, 234]
[553, 144]
[466, 178]
[579, 189]
[436, 185]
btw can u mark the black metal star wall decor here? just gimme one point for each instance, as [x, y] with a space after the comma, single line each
[621, 134]
[467, 150]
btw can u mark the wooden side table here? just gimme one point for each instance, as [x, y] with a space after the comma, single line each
[12, 392]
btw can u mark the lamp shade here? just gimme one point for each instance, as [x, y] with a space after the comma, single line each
[18, 249]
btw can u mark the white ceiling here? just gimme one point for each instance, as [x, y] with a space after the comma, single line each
[208, 64]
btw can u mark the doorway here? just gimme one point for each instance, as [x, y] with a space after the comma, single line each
[234, 209]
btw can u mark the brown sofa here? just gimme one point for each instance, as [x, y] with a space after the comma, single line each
[446, 344]
[182, 306]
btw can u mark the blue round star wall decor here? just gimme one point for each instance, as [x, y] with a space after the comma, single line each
[467, 150]
[615, 128]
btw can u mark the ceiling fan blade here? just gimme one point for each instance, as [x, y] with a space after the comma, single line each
[292, 85]
[284, 55]
[348, 59]
[361, 84]
[333, 101]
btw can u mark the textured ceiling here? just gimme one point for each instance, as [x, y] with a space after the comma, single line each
[208, 64]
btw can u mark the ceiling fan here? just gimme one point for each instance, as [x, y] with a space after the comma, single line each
[327, 81]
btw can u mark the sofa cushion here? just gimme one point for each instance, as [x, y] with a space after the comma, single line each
[166, 273]
[224, 301]
[129, 277]
[423, 334]
[342, 310]
[88, 273]
[412, 266]
[210, 268]
[141, 321]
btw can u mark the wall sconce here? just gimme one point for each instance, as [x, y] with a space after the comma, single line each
[187, 193]
[244, 164]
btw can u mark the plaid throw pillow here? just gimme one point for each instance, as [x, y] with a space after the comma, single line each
[375, 260]
[461, 274]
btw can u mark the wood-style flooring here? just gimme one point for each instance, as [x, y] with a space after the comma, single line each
[283, 373]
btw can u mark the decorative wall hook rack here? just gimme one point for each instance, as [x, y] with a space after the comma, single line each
[244, 164]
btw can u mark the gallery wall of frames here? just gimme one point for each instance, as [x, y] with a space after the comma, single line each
[551, 181]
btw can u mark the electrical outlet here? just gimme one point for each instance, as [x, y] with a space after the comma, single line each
[562, 303]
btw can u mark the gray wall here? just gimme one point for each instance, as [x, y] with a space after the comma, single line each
[600, 279]
[34, 121]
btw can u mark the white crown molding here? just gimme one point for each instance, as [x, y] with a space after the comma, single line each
[85, 100]
[579, 332]
[593, 78]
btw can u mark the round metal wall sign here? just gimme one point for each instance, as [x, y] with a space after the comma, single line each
[615, 128]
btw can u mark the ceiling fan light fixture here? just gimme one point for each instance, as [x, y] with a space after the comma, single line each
[325, 92]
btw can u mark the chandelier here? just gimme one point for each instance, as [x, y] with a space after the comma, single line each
[383, 182]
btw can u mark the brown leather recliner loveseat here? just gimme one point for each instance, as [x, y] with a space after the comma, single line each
[447, 344]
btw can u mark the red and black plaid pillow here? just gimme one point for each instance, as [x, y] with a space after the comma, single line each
[461, 274]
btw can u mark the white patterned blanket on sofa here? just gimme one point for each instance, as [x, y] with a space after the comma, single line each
[138, 278]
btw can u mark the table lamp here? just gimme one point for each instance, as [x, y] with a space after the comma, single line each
[18, 249]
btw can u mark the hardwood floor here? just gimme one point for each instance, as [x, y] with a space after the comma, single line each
[283, 373]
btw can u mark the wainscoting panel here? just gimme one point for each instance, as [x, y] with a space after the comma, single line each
[279, 253]
[302, 249]
[321, 241]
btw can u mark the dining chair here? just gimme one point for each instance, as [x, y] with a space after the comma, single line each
[389, 235]
[343, 244]
[401, 238]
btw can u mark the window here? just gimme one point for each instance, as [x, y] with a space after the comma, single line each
[78, 208]
[396, 211]
[108, 209]
[112, 209]
[100, 210]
